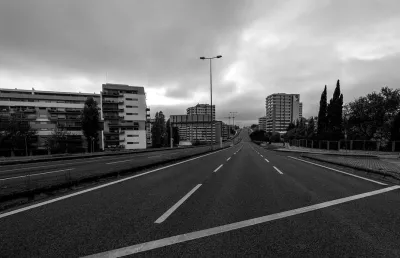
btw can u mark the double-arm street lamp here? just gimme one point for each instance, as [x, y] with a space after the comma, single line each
[212, 117]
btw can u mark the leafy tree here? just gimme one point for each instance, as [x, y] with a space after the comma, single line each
[158, 131]
[90, 121]
[371, 117]
[322, 114]
[175, 135]
[395, 129]
[311, 128]
[334, 114]
[17, 133]
[253, 126]
[290, 126]
[58, 140]
[259, 135]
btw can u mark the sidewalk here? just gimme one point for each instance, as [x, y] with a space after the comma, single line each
[380, 154]
[377, 166]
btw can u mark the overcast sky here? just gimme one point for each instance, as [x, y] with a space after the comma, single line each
[267, 47]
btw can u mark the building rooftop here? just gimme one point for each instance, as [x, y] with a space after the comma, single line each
[42, 92]
[112, 86]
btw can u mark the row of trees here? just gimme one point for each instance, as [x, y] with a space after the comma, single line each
[375, 116]
[161, 132]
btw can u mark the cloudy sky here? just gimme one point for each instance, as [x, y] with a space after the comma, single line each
[269, 46]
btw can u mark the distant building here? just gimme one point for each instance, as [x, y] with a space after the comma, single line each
[281, 109]
[45, 111]
[201, 109]
[193, 127]
[262, 123]
[125, 115]
[149, 125]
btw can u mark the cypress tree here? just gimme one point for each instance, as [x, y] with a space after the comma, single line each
[322, 119]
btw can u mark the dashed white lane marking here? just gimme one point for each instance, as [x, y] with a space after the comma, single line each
[138, 248]
[176, 205]
[267, 160]
[38, 174]
[228, 159]
[278, 170]
[220, 166]
[6, 214]
[261, 156]
[336, 170]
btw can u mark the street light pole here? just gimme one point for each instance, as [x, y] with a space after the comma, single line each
[212, 117]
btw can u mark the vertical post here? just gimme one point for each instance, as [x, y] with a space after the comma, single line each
[328, 144]
[377, 146]
[26, 147]
[393, 146]
[312, 144]
[319, 142]
[339, 145]
[364, 145]
[170, 133]
[351, 144]
[212, 120]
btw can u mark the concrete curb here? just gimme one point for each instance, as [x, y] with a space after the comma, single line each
[331, 154]
[93, 178]
[374, 171]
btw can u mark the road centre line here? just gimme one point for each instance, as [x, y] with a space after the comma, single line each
[50, 172]
[176, 205]
[218, 168]
[6, 214]
[267, 160]
[278, 170]
[228, 159]
[147, 246]
[336, 170]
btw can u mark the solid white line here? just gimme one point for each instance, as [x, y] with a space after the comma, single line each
[127, 160]
[176, 205]
[267, 160]
[6, 214]
[50, 172]
[228, 159]
[278, 170]
[218, 168]
[315, 164]
[133, 249]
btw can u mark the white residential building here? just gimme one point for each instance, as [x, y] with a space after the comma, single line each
[281, 109]
[125, 115]
[201, 109]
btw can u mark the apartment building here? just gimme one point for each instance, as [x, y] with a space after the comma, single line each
[125, 115]
[281, 109]
[201, 109]
[193, 127]
[149, 125]
[46, 110]
[262, 123]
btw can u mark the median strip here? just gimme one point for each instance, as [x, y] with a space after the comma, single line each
[176, 205]
[38, 174]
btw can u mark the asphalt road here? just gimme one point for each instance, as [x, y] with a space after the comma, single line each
[14, 178]
[258, 203]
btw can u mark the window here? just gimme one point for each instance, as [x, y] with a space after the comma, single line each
[129, 114]
[133, 135]
[133, 142]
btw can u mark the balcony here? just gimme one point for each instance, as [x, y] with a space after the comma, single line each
[111, 117]
[111, 140]
[121, 132]
[111, 94]
[110, 133]
[122, 140]
[110, 109]
[121, 102]
[110, 101]
[121, 117]
[147, 109]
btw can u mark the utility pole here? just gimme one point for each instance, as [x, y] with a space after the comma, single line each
[233, 117]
